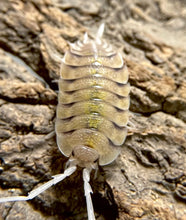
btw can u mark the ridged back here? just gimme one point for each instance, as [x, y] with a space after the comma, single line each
[93, 100]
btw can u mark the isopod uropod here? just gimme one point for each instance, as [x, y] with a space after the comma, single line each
[92, 111]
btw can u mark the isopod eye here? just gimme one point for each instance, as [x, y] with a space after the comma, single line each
[95, 161]
[73, 153]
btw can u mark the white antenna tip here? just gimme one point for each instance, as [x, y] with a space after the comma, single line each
[88, 191]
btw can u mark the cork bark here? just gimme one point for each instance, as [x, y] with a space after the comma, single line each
[148, 180]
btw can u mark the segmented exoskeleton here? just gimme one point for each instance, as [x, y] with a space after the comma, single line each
[93, 99]
[92, 111]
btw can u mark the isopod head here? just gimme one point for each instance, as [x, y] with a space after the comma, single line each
[84, 156]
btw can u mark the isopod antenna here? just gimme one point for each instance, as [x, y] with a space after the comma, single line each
[56, 179]
[88, 190]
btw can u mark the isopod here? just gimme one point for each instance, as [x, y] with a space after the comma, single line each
[92, 111]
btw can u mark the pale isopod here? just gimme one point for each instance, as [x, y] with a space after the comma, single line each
[92, 111]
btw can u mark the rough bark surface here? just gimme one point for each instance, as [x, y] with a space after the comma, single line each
[148, 179]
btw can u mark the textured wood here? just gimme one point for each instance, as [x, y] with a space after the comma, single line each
[147, 181]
